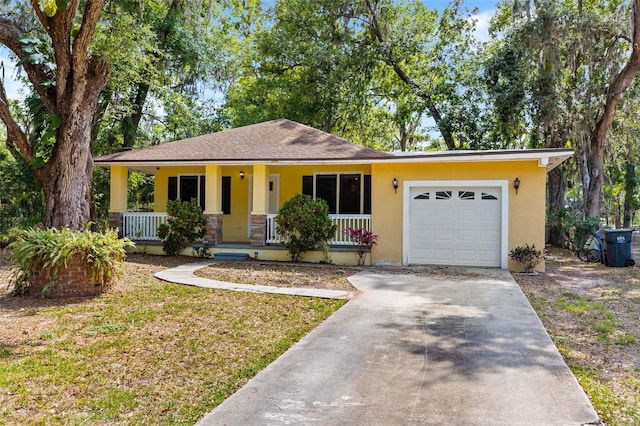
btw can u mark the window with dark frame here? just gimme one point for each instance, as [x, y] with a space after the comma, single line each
[348, 193]
[189, 187]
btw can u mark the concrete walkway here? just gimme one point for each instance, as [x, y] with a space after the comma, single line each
[184, 274]
[463, 347]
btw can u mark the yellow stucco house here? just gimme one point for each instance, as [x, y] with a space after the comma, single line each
[467, 208]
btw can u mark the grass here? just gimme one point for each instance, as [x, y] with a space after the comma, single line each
[156, 353]
[614, 407]
[591, 313]
[146, 353]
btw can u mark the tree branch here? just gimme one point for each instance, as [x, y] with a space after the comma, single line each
[14, 131]
[44, 19]
[615, 91]
[38, 74]
[60, 32]
[82, 42]
[415, 87]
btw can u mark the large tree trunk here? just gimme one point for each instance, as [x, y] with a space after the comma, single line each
[67, 177]
[595, 168]
[130, 123]
[79, 77]
[557, 188]
[630, 187]
[615, 93]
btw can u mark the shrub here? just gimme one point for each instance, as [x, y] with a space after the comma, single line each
[303, 223]
[186, 223]
[583, 228]
[529, 256]
[35, 250]
[571, 227]
[364, 239]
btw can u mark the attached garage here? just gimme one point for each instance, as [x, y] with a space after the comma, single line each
[461, 223]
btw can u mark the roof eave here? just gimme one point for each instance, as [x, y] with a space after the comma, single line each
[549, 159]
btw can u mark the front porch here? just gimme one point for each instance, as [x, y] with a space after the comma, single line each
[142, 227]
[240, 202]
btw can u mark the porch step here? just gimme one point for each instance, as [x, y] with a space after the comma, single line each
[231, 256]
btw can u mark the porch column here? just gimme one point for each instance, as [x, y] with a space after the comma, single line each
[260, 205]
[118, 197]
[213, 204]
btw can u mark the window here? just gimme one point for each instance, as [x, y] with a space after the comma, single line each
[486, 196]
[443, 195]
[188, 187]
[467, 195]
[348, 193]
[423, 196]
[326, 189]
[226, 194]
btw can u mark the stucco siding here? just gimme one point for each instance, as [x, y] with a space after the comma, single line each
[526, 209]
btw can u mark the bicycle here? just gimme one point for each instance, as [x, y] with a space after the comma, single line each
[590, 249]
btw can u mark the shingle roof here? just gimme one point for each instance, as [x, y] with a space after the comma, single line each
[269, 141]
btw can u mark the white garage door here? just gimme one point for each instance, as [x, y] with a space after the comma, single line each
[455, 226]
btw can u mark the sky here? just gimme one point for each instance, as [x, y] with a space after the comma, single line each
[9, 74]
[486, 9]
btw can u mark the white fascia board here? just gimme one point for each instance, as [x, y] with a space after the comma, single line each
[152, 164]
[548, 159]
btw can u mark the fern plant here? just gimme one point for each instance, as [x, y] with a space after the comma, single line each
[51, 249]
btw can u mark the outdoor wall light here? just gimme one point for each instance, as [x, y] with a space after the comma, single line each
[516, 184]
[241, 175]
[395, 184]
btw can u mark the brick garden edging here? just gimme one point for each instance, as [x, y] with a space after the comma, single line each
[71, 281]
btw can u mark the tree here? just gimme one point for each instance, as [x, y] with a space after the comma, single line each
[313, 65]
[548, 77]
[367, 71]
[614, 95]
[67, 78]
[179, 50]
[432, 55]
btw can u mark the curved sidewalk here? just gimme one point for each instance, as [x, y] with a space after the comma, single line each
[185, 274]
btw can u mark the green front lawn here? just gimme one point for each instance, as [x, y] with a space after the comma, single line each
[148, 352]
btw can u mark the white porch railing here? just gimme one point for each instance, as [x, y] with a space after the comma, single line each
[142, 226]
[342, 222]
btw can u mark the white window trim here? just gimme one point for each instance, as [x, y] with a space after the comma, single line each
[504, 210]
[337, 174]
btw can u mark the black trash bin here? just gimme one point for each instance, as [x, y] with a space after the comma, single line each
[617, 243]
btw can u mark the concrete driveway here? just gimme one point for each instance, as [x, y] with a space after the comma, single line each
[459, 346]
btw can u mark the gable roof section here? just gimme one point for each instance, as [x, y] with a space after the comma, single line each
[277, 140]
[287, 142]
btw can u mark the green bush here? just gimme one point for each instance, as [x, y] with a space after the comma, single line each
[186, 223]
[573, 229]
[304, 223]
[37, 249]
[585, 227]
[528, 255]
